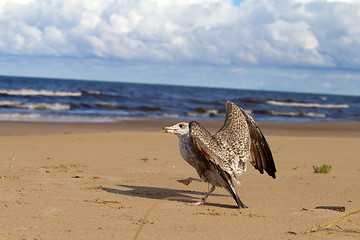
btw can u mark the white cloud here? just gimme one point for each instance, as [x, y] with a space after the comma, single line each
[237, 70]
[327, 85]
[345, 76]
[271, 33]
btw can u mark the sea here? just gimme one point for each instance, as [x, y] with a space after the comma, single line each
[59, 100]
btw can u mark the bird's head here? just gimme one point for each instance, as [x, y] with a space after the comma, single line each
[178, 129]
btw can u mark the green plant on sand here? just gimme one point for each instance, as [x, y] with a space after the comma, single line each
[322, 169]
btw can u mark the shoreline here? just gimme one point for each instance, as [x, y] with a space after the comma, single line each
[336, 129]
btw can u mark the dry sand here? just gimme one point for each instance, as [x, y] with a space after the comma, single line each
[118, 181]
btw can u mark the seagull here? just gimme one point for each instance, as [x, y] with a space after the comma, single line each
[220, 157]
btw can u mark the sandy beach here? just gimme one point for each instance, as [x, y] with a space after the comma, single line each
[118, 181]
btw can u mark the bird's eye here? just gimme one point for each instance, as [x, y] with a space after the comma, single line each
[181, 125]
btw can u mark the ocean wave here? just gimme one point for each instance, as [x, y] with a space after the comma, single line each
[250, 100]
[169, 115]
[31, 92]
[19, 116]
[91, 92]
[204, 112]
[9, 103]
[55, 118]
[191, 114]
[147, 108]
[303, 104]
[290, 114]
[36, 106]
[108, 105]
[209, 112]
[111, 105]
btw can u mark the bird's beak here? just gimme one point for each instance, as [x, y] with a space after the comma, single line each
[167, 130]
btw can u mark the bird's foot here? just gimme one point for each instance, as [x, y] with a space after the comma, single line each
[196, 203]
[243, 206]
[201, 202]
[186, 181]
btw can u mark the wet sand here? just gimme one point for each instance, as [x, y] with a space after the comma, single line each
[118, 181]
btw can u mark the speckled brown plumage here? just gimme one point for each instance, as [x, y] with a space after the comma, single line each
[220, 157]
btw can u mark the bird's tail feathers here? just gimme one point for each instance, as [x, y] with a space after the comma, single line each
[231, 189]
[233, 193]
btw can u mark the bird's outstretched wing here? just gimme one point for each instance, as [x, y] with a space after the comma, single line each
[207, 145]
[242, 140]
[234, 138]
[261, 156]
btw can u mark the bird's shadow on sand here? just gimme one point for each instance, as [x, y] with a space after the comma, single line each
[165, 194]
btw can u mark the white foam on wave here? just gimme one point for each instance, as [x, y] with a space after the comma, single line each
[31, 92]
[191, 114]
[44, 106]
[298, 114]
[299, 104]
[19, 116]
[107, 104]
[35, 106]
[170, 115]
[9, 103]
[93, 92]
[211, 113]
[53, 118]
[248, 111]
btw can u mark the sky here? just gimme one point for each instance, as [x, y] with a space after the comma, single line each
[284, 45]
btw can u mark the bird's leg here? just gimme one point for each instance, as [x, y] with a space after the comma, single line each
[188, 180]
[201, 202]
